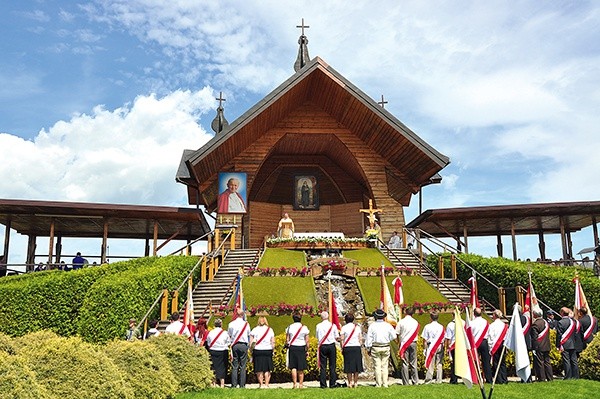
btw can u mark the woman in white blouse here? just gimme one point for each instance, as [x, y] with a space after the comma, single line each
[262, 342]
[351, 335]
[218, 341]
[297, 343]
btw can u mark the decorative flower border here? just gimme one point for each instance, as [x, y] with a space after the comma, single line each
[305, 271]
[316, 240]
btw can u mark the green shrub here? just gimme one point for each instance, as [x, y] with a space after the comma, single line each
[190, 363]
[589, 361]
[111, 302]
[6, 344]
[146, 369]
[17, 381]
[73, 369]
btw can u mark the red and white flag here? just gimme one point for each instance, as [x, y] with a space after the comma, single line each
[464, 355]
[474, 299]
[188, 313]
[581, 302]
[531, 301]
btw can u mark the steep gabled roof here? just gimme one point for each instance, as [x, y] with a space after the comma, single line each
[319, 84]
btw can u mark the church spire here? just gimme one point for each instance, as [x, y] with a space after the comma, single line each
[219, 123]
[303, 57]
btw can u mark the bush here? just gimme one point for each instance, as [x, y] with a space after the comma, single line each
[190, 363]
[6, 344]
[147, 371]
[73, 369]
[589, 361]
[17, 381]
[129, 294]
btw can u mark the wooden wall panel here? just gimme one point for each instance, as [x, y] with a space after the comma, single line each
[263, 221]
[347, 219]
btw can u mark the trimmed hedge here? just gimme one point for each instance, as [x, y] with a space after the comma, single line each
[589, 361]
[147, 370]
[553, 284]
[17, 381]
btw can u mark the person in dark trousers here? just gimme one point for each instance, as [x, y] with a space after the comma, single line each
[540, 340]
[565, 342]
[327, 335]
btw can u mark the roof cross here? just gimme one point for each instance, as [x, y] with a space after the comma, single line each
[221, 99]
[382, 102]
[302, 26]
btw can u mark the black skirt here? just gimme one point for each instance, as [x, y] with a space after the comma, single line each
[220, 362]
[298, 358]
[353, 362]
[263, 360]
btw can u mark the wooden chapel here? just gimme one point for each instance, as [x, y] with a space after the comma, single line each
[317, 148]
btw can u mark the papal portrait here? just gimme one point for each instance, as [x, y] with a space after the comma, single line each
[232, 193]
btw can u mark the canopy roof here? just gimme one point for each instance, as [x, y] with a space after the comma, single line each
[78, 219]
[499, 220]
[412, 162]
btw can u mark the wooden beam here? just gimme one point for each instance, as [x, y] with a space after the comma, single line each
[155, 238]
[51, 242]
[31, 245]
[542, 245]
[499, 245]
[514, 239]
[466, 238]
[104, 243]
[58, 248]
[563, 238]
[595, 229]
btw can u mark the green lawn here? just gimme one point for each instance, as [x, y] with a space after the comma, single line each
[370, 257]
[277, 257]
[572, 389]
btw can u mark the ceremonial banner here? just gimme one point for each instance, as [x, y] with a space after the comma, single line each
[531, 301]
[238, 301]
[188, 314]
[515, 341]
[474, 299]
[464, 363]
[385, 300]
[334, 317]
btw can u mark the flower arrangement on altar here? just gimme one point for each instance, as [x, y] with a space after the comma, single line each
[278, 271]
[371, 234]
[281, 309]
[317, 240]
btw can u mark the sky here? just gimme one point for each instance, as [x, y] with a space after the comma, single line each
[98, 99]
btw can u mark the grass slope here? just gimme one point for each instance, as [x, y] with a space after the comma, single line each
[277, 257]
[370, 257]
[557, 389]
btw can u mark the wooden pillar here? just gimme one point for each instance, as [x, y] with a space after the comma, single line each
[513, 236]
[499, 246]
[164, 305]
[458, 245]
[441, 267]
[31, 245]
[175, 302]
[147, 247]
[569, 245]
[232, 238]
[453, 266]
[188, 248]
[58, 248]
[466, 238]
[203, 269]
[155, 238]
[217, 238]
[209, 243]
[51, 242]
[502, 300]
[563, 238]
[104, 243]
[595, 230]
[7, 238]
[542, 245]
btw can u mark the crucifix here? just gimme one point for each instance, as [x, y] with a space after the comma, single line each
[371, 211]
[302, 26]
[382, 102]
[221, 99]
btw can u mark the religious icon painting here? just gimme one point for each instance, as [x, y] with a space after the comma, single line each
[232, 193]
[306, 193]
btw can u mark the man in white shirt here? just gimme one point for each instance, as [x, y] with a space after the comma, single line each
[177, 327]
[379, 336]
[408, 332]
[433, 335]
[495, 337]
[327, 334]
[239, 331]
[394, 241]
[479, 327]
[449, 342]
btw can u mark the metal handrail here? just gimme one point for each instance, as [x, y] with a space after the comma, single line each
[389, 251]
[191, 243]
[435, 240]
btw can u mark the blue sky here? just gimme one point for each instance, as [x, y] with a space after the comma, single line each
[98, 99]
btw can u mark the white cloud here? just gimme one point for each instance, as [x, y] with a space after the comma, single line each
[127, 155]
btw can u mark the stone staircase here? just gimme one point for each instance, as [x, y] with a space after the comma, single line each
[452, 289]
[207, 291]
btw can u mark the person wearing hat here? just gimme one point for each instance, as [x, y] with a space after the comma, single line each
[379, 336]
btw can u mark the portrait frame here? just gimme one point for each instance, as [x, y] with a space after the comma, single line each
[223, 206]
[306, 193]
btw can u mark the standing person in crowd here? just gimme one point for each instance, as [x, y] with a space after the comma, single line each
[540, 340]
[408, 334]
[526, 325]
[177, 327]
[479, 327]
[239, 331]
[78, 261]
[351, 339]
[327, 334]
[565, 342]
[297, 342]
[589, 326]
[433, 335]
[449, 344]
[495, 337]
[201, 332]
[262, 343]
[577, 339]
[153, 331]
[218, 346]
[379, 336]
[133, 333]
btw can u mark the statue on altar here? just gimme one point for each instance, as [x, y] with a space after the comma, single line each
[286, 228]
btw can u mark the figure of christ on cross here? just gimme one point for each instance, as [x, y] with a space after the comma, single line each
[371, 212]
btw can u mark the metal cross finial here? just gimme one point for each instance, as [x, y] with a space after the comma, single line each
[302, 26]
[221, 99]
[382, 102]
